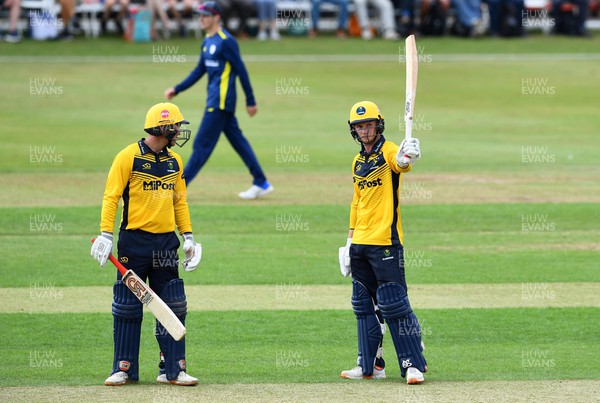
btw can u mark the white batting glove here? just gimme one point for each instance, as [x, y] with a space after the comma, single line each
[193, 252]
[344, 258]
[409, 152]
[102, 247]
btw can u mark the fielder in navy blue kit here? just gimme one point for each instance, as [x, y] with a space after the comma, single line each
[220, 59]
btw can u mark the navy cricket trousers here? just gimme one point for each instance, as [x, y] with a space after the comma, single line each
[213, 123]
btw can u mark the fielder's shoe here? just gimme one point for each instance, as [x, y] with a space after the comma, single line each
[12, 37]
[183, 379]
[356, 373]
[414, 376]
[117, 379]
[257, 191]
[262, 36]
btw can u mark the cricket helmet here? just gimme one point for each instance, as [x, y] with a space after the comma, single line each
[209, 8]
[165, 119]
[365, 111]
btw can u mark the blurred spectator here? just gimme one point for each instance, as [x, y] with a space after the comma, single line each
[506, 17]
[267, 15]
[188, 9]
[342, 16]
[570, 16]
[157, 10]
[14, 7]
[468, 17]
[404, 12]
[121, 15]
[67, 13]
[434, 15]
[243, 9]
[386, 18]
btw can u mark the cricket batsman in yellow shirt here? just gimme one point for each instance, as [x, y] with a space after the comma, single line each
[374, 254]
[148, 177]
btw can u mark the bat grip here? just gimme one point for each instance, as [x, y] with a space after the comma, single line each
[408, 123]
[118, 265]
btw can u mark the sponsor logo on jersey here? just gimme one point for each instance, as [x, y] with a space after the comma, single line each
[157, 184]
[147, 165]
[211, 63]
[369, 184]
[124, 259]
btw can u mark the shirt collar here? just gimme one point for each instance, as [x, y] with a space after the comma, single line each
[376, 148]
[144, 149]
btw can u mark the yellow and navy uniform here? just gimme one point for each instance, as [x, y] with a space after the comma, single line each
[153, 190]
[375, 210]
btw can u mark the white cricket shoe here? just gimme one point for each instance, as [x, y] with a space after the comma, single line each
[357, 373]
[117, 379]
[414, 376]
[390, 35]
[262, 36]
[183, 379]
[256, 191]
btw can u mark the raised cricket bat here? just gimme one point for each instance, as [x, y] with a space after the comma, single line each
[412, 71]
[157, 306]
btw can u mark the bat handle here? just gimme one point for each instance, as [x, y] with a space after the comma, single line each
[407, 135]
[114, 261]
[408, 123]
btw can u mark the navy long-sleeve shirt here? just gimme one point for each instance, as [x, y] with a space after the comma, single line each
[220, 58]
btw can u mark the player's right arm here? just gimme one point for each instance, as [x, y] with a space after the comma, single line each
[354, 204]
[118, 178]
[193, 77]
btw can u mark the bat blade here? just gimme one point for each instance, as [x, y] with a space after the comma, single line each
[412, 71]
[157, 306]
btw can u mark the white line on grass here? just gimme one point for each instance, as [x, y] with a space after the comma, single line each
[461, 57]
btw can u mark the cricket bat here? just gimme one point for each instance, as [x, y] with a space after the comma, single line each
[157, 306]
[412, 71]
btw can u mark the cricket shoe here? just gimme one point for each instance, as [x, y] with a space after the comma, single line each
[257, 191]
[117, 379]
[183, 379]
[414, 376]
[357, 373]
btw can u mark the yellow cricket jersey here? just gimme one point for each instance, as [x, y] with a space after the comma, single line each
[152, 188]
[375, 210]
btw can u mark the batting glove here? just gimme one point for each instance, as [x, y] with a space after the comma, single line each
[409, 152]
[193, 252]
[344, 258]
[102, 247]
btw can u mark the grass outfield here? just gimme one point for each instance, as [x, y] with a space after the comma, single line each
[500, 219]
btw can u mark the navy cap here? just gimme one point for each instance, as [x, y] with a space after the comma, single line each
[209, 8]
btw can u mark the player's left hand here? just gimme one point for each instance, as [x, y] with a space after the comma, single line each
[193, 252]
[409, 152]
[251, 110]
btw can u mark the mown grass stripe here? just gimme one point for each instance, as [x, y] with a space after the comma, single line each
[46, 298]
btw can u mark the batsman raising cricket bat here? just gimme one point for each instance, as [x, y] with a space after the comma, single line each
[374, 251]
[147, 176]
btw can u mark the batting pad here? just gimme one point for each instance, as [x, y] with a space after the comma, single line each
[403, 326]
[369, 328]
[128, 314]
[174, 351]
